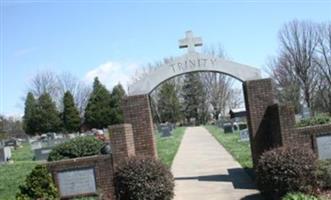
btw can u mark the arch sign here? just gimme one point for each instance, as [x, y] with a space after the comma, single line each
[192, 61]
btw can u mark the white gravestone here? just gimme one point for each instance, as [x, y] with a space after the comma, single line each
[244, 136]
[5, 154]
[324, 146]
[36, 145]
[76, 182]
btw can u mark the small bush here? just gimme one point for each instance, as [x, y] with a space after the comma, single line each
[78, 147]
[318, 120]
[299, 196]
[286, 169]
[38, 185]
[143, 179]
[324, 174]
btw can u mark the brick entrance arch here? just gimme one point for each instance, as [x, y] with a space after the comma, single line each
[270, 125]
[262, 122]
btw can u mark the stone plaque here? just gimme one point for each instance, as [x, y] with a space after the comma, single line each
[77, 182]
[324, 146]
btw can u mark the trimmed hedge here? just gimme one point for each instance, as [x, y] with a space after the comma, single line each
[38, 185]
[299, 196]
[318, 120]
[286, 169]
[78, 147]
[140, 178]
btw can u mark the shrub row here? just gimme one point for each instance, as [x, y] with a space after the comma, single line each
[318, 120]
[78, 147]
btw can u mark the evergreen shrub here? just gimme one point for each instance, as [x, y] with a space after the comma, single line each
[286, 169]
[78, 147]
[140, 178]
[38, 185]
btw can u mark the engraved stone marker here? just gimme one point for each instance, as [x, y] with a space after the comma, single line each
[76, 182]
[324, 146]
[244, 136]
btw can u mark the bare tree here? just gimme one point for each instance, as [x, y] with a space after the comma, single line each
[57, 84]
[323, 61]
[218, 91]
[298, 41]
[287, 85]
[44, 82]
[80, 91]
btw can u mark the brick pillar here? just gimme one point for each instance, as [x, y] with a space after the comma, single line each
[122, 143]
[137, 112]
[287, 124]
[258, 97]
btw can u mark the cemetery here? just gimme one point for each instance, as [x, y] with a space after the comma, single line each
[192, 126]
[79, 165]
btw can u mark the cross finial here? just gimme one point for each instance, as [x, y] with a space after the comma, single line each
[190, 42]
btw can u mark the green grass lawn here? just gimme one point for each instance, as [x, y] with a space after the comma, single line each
[167, 147]
[12, 175]
[239, 150]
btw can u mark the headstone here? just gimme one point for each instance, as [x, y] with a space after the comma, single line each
[42, 153]
[77, 182]
[227, 127]
[165, 131]
[5, 154]
[305, 112]
[36, 145]
[11, 143]
[51, 136]
[2, 143]
[324, 146]
[242, 126]
[244, 136]
[53, 142]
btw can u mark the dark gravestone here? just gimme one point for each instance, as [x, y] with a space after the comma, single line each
[242, 126]
[227, 127]
[165, 131]
[324, 146]
[42, 153]
[11, 143]
[77, 182]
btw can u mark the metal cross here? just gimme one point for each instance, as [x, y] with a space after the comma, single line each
[190, 42]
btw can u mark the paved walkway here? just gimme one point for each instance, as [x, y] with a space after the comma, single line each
[204, 170]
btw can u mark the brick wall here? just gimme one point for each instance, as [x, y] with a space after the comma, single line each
[122, 142]
[258, 97]
[137, 112]
[306, 136]
[103, 172]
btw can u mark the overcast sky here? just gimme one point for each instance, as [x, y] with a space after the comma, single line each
[112, 39]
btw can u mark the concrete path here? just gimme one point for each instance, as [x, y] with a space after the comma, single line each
[204, 170]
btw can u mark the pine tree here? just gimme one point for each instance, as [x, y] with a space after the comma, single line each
[70, 115]
[47, 116]
[168, 103]
[98, 110]
[29, 118]
[117, 96]
[192, 92]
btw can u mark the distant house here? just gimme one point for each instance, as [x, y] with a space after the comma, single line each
[241, 112]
